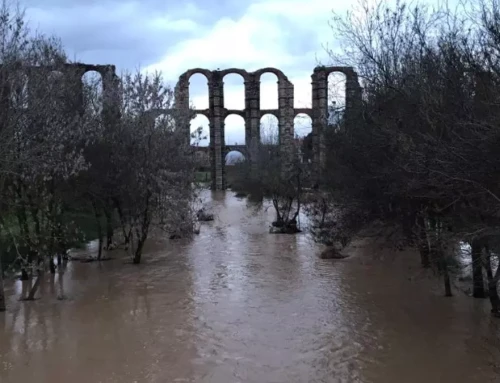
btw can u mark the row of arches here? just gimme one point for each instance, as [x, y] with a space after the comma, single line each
[234, 91]
[234, 129]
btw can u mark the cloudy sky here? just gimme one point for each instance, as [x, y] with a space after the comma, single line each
[174, 36]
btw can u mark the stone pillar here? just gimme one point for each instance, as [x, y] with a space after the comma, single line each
[216, 106]
[352, 100]
[252, 121]
[319, 117]
[75, 77]
[286, 116]
[181, 106]
[110, 96]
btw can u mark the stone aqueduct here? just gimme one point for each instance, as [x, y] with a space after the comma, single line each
[216, 113]
[286, 112]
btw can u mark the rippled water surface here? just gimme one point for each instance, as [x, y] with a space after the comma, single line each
[237, 304]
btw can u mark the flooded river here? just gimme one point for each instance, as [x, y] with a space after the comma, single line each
[237, 304]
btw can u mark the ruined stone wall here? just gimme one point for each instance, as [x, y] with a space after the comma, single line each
[320, 108]
[73, 73]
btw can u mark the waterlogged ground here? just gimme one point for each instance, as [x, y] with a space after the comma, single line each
[237, 304]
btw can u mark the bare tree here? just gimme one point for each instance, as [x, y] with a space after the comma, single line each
[43, 139]
[2, 292]
[420, 157]
[281, 179]
[155, 165]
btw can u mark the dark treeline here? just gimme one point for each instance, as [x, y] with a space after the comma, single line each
[423, 155]
[70, 169]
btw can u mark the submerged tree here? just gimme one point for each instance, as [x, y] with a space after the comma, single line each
[43, 137]
[274, 174]
[155, 165]
[66, 156]
[422, 156]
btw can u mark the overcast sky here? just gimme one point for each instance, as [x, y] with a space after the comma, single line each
[174, 36]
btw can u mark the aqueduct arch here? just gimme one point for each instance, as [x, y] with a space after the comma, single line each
[216, 113]
[252, 113]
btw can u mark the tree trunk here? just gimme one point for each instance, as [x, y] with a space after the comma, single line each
[99, 250]
[138, 252]
[447, 283]
[34, 288]
[2, 291]
[142, 236]
[126, 236]
[478, 290]
[493, 286]
[443, 268]
[424, 255]
[423, 243]
[435, 257]
[52, 265]
[109, 228]
[24, 274]
[97, 216]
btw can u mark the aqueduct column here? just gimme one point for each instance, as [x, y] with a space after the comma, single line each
[286, 117]
[320, 108]
[319, 117]
[181, 106]
[111, 100]
[252, 120]
[352, 99]
[216, 106]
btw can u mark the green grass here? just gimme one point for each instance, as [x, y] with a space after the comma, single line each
[84, 220]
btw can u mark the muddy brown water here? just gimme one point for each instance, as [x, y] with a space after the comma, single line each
[237, 304]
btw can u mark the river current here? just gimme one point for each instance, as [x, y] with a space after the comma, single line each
[239, 305]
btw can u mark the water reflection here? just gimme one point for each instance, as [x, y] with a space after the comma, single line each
[237, 304]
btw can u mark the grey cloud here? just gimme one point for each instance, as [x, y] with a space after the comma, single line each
[102, 32]
[107, 32]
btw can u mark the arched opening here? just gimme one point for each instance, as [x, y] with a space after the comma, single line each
[302, 125]
[269, 91]
[336, 97]
[92, 91]
[303, 137]
[198, 92]
[234, 157]
[19, 90]
[234, 130]
[234, 91]
[165, 122]
[200, 131]
[269, 129]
